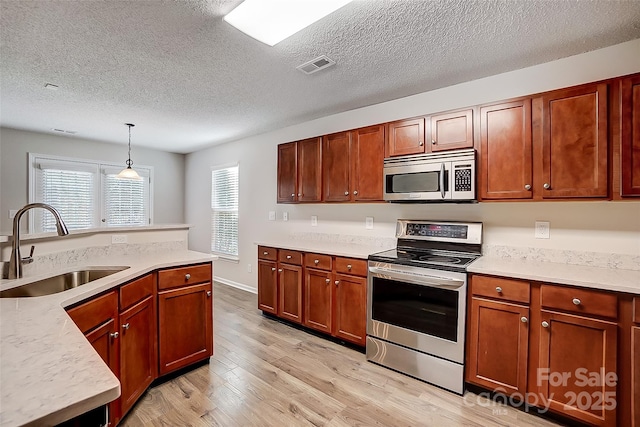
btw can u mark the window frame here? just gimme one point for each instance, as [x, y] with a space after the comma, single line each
[99, 198]
[223, 255]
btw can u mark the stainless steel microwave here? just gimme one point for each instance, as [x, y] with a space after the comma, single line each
[446, 177]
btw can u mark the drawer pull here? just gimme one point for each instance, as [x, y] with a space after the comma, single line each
[524, 319]
[576, 301]
[273, 269]
[546, 186]
[337, 282]
[288, 256]
[316, 261]
[125, 326]
[355, 192]
[187, 276]
[527, 187]
[114, 335]
[279, 270]
[208, 293]
[498, 289]
[545, 324]
[327, 280]
[348, 266]
[293, 195]
[265, 253]
[346, 193]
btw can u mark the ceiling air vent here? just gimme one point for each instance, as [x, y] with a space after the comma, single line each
[320, 63]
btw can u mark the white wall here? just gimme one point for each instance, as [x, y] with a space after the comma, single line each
[169, 183]
[590, 226]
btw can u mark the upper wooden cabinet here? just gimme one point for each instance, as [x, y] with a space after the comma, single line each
[447, 131]
[299, 171]
[352, 165]
[630, 136]
[507, 157]
[574, 144]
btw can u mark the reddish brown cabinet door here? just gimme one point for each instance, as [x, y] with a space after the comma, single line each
[574, 143]
[405, 137]
[290, 292]
[635, 376]
[138, 357]
[318, 297]
[367, 157]
[506, 156]
[185, 322]
[572, 350]
[350, 323]
[498, 346]
[451, 131]
[268, 286]
[336, 166]
[630, 148]
[309, 170]
[287, 173]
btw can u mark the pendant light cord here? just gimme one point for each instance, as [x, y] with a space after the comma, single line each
[129, 162]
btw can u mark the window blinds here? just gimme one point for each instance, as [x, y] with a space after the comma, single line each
[126, 201]
[71, 192]
[224, 211]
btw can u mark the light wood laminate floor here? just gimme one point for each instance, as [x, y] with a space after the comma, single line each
[265, 373]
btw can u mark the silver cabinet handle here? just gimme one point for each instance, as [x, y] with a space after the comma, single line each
[337, 282]
[433, 142]
[265, 253]
[524, 319]
[576, 301]
[545, 324]
[327, 281]
[279, 270]
[546, 186]
[125, 326]
[346, 193]
[527, 187]
[293, 195]
[355, 192]
[273, 269]
[208, 293]
[288, 256]
[187, 276]
[348, 266]
[498, 289]
[299, 194]
[316, 261]
[421, 143]
[114, 335]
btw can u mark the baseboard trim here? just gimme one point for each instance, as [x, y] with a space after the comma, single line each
[234, 284]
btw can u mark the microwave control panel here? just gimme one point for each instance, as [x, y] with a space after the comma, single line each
[462, 178]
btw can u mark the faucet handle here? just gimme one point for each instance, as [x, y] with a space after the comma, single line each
[29, 259]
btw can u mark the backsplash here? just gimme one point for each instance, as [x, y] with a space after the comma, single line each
[374, 242]
[591, 259]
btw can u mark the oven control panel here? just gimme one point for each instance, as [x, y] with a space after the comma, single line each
[437, 230]
[440, 231]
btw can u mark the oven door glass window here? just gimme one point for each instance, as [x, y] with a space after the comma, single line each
[418, 182]
[425, 309]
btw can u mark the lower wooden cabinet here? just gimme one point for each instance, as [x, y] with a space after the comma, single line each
[318, 300]
[268, 289]
[290, 292]
[185, 325]
[350, 309]
[499, 345]
[635, 375]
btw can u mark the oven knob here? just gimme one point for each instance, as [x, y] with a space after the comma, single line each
[498, 289]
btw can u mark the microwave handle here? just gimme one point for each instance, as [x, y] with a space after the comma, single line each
[442, 180]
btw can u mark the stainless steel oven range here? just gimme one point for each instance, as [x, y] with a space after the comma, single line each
[416, 300]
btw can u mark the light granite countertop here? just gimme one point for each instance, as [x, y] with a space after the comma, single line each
[609, 279]
[48, 370]
[350, 250]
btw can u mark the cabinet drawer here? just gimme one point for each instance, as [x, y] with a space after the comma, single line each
[95, 312]
[136, 291]
[290, 257]
[583, 301]
[182, 276]
[265, 252]
[498, 288]
[323, 262]
[357, 267]
[636, 309]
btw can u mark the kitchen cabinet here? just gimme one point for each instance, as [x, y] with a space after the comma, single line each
[268, 284]
[185, 316]
[138, 340]
[318, 301]
[630, 136]
[299, 171]
[405, 137]
[506, 159]
[98, 320]
[635, 364]
[451, 131]
[350, 308]
[336, 165]
[574, 143]
[290, 285]
[499, 334]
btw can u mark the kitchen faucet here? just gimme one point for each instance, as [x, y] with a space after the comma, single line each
[16, 261]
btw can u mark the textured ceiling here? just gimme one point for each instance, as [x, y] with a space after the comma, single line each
[188, 80]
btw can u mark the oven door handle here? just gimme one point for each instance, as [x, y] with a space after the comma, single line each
[425, 280]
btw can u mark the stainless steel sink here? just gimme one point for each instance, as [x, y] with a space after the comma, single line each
[60, 283]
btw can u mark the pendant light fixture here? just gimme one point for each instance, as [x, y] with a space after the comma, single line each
[128, 173]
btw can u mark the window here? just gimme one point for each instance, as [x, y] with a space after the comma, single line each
[224, 211]
[87, 193]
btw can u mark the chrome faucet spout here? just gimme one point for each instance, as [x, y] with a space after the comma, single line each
[16, 261]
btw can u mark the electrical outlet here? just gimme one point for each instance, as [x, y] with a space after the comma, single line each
[12, 213]
[272, 215]
[285, 216]
[314, 220]
[368, 223]
[119, 238]
[248, 268]
[542, 230]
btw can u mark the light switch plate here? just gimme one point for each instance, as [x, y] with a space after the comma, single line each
[285, 216]
[314, 220]
[272, 215]
[368, 223]
[119, 238]
[542, 230]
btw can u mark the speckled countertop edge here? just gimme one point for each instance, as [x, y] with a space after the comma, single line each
[328, 248]
[48, 370]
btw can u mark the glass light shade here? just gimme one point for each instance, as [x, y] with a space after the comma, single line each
[128, 173]
[271, 21]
